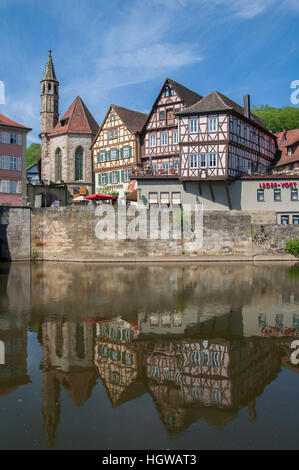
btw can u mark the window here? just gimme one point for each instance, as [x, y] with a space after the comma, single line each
[161, 115]
[284, 219]
[262, 141]
[79, 164]
[115, 177]
[176, 198]
[13, 139]
[168, 91]
[14, 187]
[153, 198]
[262, 321]
[253, 136]
[213, 160]
[203, 160]
[235, 126]
[165, 166]
[58, 165]
[296, 219]
[164, 139]
[102, 179]
[114, 154]
[277, 194]
[152, 140]
[112, 117]
[115, 133]
[126, 152]
[294, 194]
[260, 195]
[174, 137]
[193, 126]
[103, 156]
[290, 151]
[110, 134]
[193, 160]
[213, 124]
[164, 198]
[279, 321]
[155, 372]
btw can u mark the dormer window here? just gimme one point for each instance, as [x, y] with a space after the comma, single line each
[290, 152]
[64, 122]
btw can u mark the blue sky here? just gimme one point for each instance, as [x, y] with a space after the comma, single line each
[121, 51]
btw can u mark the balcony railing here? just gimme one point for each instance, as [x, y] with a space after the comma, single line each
[145, 172]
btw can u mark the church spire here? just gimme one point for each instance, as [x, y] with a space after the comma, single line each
[49, 71]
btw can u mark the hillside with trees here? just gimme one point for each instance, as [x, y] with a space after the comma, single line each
[33, 154]
[277, 119]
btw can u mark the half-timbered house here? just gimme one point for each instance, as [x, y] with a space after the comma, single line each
[116, 149]
[160, 138]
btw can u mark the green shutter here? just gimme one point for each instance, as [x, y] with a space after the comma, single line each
[117, 153]
[108, 155]
[130, 151]
[121, 153]
[99, 179]
[122, 175]
[98, 157]
[110, 177]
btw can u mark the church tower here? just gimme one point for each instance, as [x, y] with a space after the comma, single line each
[49, 98]
[49, 114]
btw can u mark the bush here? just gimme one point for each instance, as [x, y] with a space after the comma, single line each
[293, 247]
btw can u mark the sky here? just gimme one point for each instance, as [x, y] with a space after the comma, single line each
[120, 51]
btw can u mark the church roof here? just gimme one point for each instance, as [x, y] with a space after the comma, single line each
[49, 71]
[77, 120]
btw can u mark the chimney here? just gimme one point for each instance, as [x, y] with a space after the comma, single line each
[247, 106]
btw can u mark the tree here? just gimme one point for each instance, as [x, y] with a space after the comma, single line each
[33, 154]
[277, 119]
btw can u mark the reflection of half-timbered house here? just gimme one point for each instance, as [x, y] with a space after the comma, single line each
[160, 133]
[116, 148]
[118, 361]
[214, 378]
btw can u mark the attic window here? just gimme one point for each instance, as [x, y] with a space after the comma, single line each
[112, 117]
[290, 151]
[168, 91]
[64, 122]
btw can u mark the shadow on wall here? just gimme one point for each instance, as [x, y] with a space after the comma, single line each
[4, 247]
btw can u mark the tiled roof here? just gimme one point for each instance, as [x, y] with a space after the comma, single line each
[5, 121]
[49, 71]
[77, 120]
[189, 97]
[216, 101]
[132, 119]
[292, 137]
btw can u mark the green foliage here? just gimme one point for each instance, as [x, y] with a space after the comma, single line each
[33, 154]
[278, 119]
[109, 191]
[293, 272]
[292, 247]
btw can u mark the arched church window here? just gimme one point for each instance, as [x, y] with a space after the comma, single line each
[59, 339]
[80, 347]
[49, 86]
[79, 164]
[44, 89]
[58, 165]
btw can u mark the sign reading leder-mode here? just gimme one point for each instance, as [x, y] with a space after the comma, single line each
[274, 184]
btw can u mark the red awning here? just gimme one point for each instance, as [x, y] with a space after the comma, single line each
[100, 197]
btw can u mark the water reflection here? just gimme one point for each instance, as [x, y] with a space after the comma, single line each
[202, 341]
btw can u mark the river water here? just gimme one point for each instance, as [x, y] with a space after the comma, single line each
[187, 356]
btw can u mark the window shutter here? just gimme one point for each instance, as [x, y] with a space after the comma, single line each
[130, 151]
[117, 153]
[19, 165]
[19, 141]
[19, 187]
[108, 155]
[121, 153]
[110, 177]
[98, 157]
[122, 176]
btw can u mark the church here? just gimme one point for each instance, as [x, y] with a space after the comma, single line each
[66, 155]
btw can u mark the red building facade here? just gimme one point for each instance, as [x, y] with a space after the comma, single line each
[13, 138]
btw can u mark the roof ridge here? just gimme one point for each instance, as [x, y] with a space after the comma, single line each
[128, 109]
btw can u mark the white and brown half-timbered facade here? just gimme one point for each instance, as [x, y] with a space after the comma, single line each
[221, 140]
[160, 137]
[116, 149]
